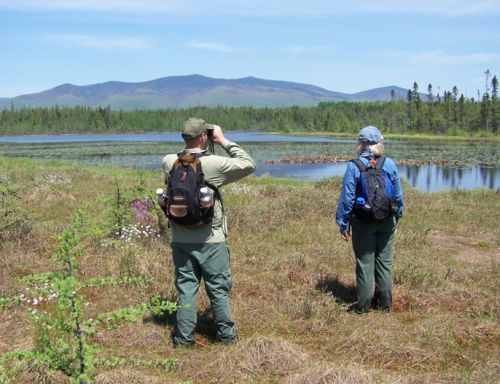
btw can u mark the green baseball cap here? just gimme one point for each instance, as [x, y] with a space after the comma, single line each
[194, 127]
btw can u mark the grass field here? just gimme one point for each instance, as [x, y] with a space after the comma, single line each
[293, 284]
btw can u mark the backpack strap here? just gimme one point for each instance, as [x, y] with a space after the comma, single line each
[217, 194]
[188, 159]
[361, 166]
[380, 162]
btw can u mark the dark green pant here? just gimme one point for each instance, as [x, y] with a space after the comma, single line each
[372, 244]
[193, 262]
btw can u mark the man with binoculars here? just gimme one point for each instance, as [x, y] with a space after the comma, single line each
[201, 251]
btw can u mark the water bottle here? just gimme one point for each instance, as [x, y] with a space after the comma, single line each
[206, 197]
[363, 204]
[161, 197]
[360, 202]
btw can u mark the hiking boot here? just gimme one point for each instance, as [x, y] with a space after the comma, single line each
[358, 310]
[226, 340]
[182, 343]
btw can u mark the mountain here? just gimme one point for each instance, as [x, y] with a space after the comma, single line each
[191, 91]
[383, 93]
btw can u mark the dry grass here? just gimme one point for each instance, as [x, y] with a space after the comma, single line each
[322, 374]
[293, 285]
[252, 359]
[131, 376]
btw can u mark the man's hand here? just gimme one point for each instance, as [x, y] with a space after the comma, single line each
[218, 135]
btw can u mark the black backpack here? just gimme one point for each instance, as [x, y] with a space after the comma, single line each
[183, 192]
[375, 197]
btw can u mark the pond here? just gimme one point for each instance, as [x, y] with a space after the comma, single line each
[426, 166]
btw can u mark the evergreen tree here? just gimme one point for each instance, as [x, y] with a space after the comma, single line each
[454, 104]
[447, 109]
[410, 115]
[485, 112]
[430, 106]
[409, 98]
[494, 104]
[416, 99]
[461, 112]
[430, 96]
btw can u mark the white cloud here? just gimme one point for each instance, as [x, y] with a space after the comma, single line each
[431, 7]
[263, 7]
[308, 49]
[133, 43]
[216, 47]
[125, 6]
[441, 57]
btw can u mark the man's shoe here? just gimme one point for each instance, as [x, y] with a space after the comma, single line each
[182, 343]
[360, 311]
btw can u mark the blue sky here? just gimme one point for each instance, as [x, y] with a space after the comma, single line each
[344, 46]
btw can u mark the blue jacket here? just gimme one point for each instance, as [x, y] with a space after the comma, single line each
[348, 194]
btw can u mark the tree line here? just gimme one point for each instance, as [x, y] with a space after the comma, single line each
[429, 113]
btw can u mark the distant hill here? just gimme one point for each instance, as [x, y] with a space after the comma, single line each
[383, 93]
[191, 91]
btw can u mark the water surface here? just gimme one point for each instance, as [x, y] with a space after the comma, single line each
[246, 136]
[476, 165]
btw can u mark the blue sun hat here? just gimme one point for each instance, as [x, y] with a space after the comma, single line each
[370, 135]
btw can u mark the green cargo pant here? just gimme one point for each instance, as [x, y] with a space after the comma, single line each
[193, 262]
[372, 244]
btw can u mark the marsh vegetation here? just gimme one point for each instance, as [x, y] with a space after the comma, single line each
[427, 165]
[294, 284]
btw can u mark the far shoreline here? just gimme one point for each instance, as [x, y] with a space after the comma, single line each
[333, 135]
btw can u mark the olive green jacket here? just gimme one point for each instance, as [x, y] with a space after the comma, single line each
[218, 171]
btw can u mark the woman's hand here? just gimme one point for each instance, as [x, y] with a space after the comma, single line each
[345, 236]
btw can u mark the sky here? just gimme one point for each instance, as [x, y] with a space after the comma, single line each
[343, 46]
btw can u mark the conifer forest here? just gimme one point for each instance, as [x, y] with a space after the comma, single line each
[446, 113]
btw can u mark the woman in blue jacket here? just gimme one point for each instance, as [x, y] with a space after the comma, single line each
[371, 240]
